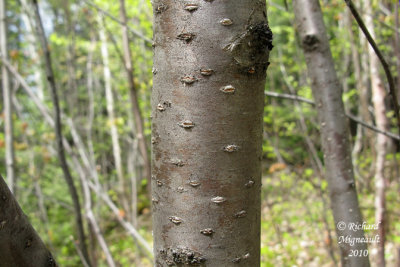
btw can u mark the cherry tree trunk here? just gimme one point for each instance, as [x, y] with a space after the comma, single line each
[210, 60]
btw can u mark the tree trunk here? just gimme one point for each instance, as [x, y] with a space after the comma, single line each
[139, 127]
[8, 110]
[378, 101]
[20, 245]
[59, 136]
[334, 133]
[111, 117]
[207, 105]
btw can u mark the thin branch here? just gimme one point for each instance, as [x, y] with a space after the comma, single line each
[373, 128]
[385, 65]
[350, 116]
[280, 7]
[289, 96]
[133, 31]
[42, 108]
[390, 27]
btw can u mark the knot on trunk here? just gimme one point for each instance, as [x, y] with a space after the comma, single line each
[310, 42]
[251, 47]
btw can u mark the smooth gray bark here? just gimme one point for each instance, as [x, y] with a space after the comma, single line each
[8, 110]
[210, 59]
[20, 245]
[334, 133]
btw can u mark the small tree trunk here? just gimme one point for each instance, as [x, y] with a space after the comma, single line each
[207, 108]
[378, 100]
[8, 110]
[138, 118]
[334, 133]
[111, 117]
[20, 245]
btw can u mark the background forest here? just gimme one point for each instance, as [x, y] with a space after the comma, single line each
[105, 148]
